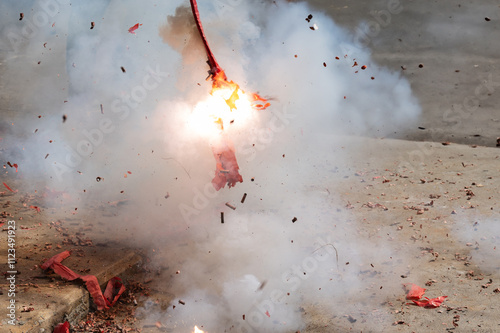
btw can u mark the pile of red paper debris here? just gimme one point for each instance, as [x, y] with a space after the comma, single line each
[415, 294]
[103, 301]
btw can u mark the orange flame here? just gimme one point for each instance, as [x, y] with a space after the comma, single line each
[220, 82]
[227, 104]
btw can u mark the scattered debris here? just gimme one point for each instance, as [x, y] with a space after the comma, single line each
[372, 205]
[27, 309]
[430, 283]
[230, 206]
[351, 319]
[21, 16]
[92, 25]
[134, 28]
[13, 165]
[486, 285]
[7, 187]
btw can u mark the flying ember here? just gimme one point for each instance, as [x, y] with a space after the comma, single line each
[227, 104]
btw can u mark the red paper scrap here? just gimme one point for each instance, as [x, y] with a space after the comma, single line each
[7, 186]
[226, 166]
[113, 291]
[134, 28]
[57, 258]
[62, 328]
[415, 292]
[36, 207]
[431, 303]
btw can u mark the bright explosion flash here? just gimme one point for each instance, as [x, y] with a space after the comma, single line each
[212, 115]
[197, 330]
[227, 107]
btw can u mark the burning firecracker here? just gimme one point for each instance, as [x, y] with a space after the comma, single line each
[227, 169]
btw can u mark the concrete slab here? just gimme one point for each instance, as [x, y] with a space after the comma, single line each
[47, 299]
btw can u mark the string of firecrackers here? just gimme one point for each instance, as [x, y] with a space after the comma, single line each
[227, 169]
[112, 293]
[415, 294]
[214, 66]
[12, 165]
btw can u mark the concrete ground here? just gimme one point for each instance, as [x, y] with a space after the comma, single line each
[43, 299]
[458, 85]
